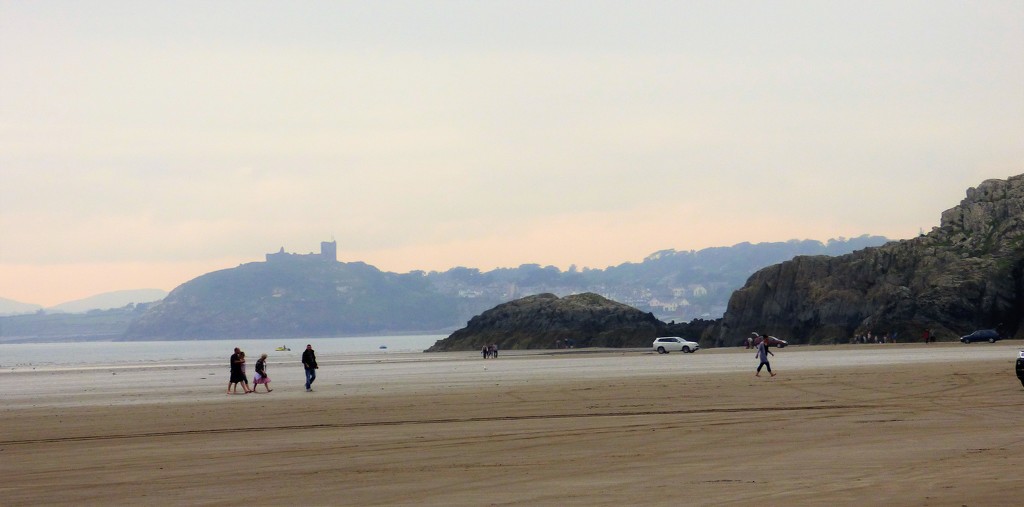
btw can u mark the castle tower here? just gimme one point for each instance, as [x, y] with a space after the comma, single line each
[329, 250]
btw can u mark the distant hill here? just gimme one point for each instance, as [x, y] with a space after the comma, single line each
[104, 301]
[293, 295]
[12, 307]
[672, 285]
[108, 300]
[63, 327]
[296, 296]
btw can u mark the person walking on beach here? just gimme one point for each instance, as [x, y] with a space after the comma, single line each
[245, 376]
[261, 374]
[762, 354]
[237, 374]
[309, 363]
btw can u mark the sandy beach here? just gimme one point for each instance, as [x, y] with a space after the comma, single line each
[903, 424]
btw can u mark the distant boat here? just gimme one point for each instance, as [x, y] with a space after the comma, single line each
[282, 348]
[382, 347]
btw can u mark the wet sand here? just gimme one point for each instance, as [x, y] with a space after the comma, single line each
[904, 424]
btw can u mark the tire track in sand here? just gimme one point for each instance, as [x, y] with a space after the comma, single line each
[215, 431]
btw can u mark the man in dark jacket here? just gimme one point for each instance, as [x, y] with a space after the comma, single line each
[309, 363]
[236, 371]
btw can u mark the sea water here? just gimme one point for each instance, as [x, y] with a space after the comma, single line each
[99, 353]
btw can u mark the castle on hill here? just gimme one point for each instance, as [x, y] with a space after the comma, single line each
[328, 253]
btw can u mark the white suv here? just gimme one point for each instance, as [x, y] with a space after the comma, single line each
[667, 344]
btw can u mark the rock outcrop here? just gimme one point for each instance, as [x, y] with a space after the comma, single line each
[965, 274]
[545, 320]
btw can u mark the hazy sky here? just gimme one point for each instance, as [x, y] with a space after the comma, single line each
[143, 144]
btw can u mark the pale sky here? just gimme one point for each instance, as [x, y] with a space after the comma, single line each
[143, 144]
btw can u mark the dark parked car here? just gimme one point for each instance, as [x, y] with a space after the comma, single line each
[981, 335]
[1020, 367]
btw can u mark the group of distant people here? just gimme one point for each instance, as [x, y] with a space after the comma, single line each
[870, 337]
[489, 351]
[239, 375]
[928, 336]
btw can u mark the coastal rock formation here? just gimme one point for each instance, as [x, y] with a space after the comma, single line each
[542, 321]
[963, 275]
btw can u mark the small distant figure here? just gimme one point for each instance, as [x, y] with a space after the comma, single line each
[484, 351]
[762, 354]
[750, 340]
[309, 363]
[261, 374]
[494, 350]
[927, 336]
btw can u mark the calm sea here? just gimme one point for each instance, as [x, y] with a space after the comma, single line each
[75, 354]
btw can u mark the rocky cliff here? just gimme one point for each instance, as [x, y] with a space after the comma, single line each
[544, 320]
[963, 275]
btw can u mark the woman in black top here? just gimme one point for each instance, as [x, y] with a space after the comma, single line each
[261, 374]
